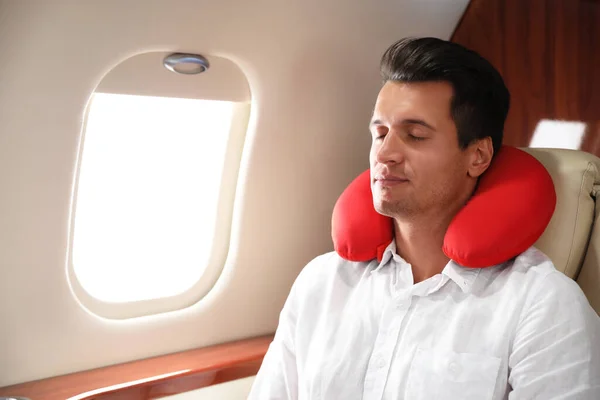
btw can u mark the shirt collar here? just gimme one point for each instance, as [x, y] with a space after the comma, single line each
[464, 277]
[388, 254]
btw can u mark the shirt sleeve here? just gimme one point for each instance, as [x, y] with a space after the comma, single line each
[556, 349]
[278, 374]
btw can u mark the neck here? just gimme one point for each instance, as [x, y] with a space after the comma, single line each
[420, 244]
[420, 238]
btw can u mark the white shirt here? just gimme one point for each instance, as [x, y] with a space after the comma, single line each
[364, 330]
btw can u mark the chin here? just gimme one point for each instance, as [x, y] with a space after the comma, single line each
[394, 209]
[382, 212]
[384, 208]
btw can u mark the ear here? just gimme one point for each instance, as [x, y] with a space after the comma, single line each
[481, 152]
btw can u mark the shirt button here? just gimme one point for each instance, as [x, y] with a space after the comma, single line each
[454, 369]
[380, 362]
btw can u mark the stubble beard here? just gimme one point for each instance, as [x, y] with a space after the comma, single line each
[399, 209]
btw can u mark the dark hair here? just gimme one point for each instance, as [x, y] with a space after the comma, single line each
[481, 100]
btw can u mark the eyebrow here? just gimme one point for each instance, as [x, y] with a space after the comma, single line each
[409, 121]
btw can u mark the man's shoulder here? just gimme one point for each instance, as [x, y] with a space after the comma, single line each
[535, 275]
[537, 266]
[330, 266]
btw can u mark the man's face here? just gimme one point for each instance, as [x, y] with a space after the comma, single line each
[417, 166]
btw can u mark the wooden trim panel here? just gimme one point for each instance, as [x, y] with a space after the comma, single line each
[154, 377]
[547, 52]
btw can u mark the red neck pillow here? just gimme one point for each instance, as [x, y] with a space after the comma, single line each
[508, 212]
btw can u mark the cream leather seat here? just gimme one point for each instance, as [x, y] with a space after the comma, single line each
[572, 239]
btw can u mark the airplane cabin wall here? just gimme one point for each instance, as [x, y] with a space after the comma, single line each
[312, 70]
[549, 55]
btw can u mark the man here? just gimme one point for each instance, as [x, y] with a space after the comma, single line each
[417, 325]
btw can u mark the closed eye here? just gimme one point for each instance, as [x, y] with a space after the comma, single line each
[379, 134]
[416, 138]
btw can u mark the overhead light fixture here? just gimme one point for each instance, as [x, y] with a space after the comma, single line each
[187, 64]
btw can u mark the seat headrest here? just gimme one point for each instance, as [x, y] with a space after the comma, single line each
[510, 209]
[576, 180]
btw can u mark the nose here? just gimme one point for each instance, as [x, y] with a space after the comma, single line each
[390, 150]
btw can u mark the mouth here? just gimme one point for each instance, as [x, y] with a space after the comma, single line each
[388, 181]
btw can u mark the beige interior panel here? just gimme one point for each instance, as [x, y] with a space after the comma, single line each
[145, 75]
[312, 71]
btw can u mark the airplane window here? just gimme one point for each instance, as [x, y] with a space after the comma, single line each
[558, 134]
[147, 194]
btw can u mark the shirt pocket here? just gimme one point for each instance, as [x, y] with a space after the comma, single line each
[444, 374]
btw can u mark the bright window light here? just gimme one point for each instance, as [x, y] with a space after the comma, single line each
[558, 134]
[147, 194]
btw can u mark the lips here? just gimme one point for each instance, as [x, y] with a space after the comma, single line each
[389, 180]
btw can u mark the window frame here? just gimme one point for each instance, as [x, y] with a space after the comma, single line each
[221, 233]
